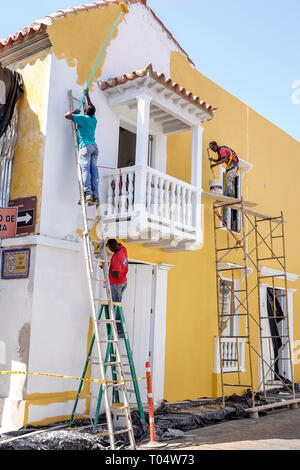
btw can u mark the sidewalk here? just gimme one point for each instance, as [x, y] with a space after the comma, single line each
[277, 431]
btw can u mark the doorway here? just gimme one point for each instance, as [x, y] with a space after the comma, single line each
[275, 324]
[138, 306]
[127, 147]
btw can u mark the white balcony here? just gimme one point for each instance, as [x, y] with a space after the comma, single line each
[142, 204]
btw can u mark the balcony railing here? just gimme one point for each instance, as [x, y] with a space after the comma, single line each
[233, 354]
[153, 199]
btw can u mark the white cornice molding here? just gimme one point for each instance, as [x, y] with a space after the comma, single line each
[245, 166]
[165, 267]
[264, 271]
[40, 240]
[28, 47]
[233, 266]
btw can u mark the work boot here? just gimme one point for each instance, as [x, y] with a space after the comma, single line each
[96, 201]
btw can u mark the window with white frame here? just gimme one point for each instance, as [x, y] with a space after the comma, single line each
[232, 347]
[226, 307]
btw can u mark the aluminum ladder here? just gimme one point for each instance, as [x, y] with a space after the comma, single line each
[92, 270]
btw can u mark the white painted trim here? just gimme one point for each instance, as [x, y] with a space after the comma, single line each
[40, 240]
[165, 267]
[236, 319]
[159, 100]
[265, 271]
[158, 336]
[264, 312]
[126, 125]
[233, 265]
[159, 333]
[244, 166]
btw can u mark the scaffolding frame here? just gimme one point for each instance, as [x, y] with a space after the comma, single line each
[257, 231]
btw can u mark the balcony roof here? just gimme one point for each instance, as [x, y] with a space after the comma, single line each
[161, 79]
[173, 108]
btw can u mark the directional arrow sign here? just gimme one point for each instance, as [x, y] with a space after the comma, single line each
[26, 214]
[24, 220]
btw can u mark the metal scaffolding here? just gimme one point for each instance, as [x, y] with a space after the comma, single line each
[256, 256]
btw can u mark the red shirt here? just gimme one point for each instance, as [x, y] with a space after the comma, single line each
[119, 262]
[225, 152]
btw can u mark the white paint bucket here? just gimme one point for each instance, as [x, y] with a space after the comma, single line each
[119, 416]
[216, 186]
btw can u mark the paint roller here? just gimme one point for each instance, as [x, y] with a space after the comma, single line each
[124, 10]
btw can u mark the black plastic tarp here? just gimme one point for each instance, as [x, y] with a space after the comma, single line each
[273, 322]
[171, 421]
[11, 89]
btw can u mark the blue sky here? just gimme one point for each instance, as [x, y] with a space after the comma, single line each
[249, 47]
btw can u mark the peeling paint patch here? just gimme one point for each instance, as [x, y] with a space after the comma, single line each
[23, 342]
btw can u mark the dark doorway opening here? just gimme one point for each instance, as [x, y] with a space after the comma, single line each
[127, 146]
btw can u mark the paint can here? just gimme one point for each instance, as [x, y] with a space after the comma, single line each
[216, 186]
[119, 416]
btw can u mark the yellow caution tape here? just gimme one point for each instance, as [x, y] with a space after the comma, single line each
[9, 372]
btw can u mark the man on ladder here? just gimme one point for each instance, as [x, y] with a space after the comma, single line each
[229, 157]
[88, 150]
[118, 274]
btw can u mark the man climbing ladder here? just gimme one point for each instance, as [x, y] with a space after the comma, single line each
[88, 150]
[229, 157]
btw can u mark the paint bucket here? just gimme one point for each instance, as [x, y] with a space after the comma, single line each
[119, 416]
[216, 186]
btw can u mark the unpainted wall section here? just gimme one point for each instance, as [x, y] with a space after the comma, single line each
[27, 172]
[15, 326]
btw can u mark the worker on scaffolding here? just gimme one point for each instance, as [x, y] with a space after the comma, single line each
[88, 150]
[118, 270]
[228, 157]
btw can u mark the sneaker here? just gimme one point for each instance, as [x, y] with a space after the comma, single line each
[89, 199]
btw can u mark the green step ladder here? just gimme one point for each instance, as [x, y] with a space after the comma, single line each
[109, 361]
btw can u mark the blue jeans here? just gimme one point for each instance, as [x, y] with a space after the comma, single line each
[117, 294]
[117, 291]
[88, 157]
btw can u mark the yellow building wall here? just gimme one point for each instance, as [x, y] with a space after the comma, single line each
[27, 172]
[193, 297]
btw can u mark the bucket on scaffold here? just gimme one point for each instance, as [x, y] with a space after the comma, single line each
[216, 186]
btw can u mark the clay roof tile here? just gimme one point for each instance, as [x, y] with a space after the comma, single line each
[160, 77]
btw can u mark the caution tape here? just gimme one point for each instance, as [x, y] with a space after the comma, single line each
[9, 372]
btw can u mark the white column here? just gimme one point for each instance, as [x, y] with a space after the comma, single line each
[142, 129]
[141, 158]
[196, 171]
[196, 176]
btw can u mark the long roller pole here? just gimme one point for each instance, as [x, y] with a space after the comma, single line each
[125, 10]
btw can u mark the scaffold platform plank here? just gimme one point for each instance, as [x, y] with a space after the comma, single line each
[226, 199]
